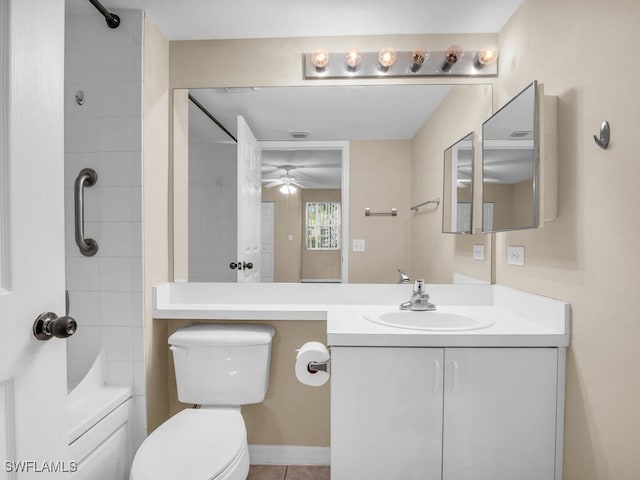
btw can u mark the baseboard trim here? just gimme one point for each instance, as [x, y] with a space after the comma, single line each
[288, 455]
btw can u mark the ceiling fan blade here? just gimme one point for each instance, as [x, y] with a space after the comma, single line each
[299, 185]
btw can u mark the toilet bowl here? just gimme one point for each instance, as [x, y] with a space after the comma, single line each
[201, 444]
[220, 367]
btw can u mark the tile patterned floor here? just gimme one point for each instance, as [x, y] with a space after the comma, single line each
[288, 472]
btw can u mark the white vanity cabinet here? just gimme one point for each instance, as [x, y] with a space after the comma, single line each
[445, 413]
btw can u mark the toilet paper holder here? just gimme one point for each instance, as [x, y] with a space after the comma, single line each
[315, 367]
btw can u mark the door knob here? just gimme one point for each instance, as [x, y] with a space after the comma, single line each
[49, 325]
[247, 266]
[234, 265]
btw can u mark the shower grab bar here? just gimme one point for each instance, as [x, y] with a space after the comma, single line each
[113, 20]
[87, 177]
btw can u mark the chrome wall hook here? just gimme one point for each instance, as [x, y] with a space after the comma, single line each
[605, 134]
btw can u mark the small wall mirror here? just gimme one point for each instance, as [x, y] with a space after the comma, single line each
[457, 201]
[510, 165]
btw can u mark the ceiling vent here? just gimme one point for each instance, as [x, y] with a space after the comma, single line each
[521, 133]
[299, 135]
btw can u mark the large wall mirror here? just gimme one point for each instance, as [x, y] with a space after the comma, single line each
[510, 165]
[457, 189]
[309, 174]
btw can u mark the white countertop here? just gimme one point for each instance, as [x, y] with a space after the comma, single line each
[520, 319]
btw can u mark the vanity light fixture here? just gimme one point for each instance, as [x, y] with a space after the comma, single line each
[486, 56]
[320, 59]
[386, 58]
[389, 63]
[288, 189]
[352, 58]
[418, 57]
[452, 56]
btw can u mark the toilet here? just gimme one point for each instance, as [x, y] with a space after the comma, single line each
[219, 367]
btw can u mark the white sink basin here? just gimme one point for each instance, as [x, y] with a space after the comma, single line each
[434, 321]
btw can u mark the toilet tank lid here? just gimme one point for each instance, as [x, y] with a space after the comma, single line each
[222, 334]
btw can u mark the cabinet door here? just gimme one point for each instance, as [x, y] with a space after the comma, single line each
[500, 413]
[386, 413]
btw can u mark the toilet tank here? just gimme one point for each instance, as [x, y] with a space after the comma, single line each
[222, 364]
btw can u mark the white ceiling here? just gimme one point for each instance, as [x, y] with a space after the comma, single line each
[216, 19]
[384, 112]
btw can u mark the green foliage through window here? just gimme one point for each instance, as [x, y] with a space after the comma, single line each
[323, 225]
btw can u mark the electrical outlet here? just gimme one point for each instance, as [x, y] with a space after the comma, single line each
[478, 252]
[515, 256]
[358, 246]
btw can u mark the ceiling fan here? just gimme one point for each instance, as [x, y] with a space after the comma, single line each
[287, 182]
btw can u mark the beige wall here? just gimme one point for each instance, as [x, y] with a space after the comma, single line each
[435, 256]
[278, 61]
[155, 217]
[589, 256]
[320, 263]
[287, 254]
[379, 174]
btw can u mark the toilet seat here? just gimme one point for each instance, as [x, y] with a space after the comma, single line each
[195, 444]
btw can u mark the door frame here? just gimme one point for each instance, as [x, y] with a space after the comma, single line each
[343, 146]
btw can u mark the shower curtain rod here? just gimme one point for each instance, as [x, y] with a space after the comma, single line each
[112, 19]
[213, 119]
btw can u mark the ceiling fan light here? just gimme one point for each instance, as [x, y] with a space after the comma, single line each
[287, 189]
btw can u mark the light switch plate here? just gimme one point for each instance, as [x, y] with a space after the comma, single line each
[478, 252]
[515, 256]
[358, 245]
[290, 236]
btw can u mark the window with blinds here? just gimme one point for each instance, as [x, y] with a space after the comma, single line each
[323, 225]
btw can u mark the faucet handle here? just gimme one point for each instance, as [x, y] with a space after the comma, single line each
[418, 287]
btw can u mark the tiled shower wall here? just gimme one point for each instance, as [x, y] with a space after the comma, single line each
[104, 133]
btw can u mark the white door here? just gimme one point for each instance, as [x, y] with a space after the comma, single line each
[249, 204]
[268, 224]
[33, 420]
[500, 413]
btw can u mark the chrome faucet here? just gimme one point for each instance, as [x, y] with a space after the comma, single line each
[404, 276]
[419, 299]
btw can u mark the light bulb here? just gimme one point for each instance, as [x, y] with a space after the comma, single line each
[287, 189]
[353, 58]
[487, 56]
[320, 59]
[418, 57]
[386, 57]
[451, 57]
